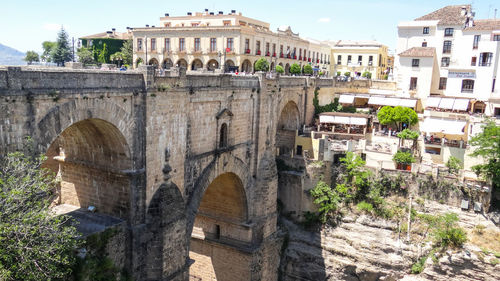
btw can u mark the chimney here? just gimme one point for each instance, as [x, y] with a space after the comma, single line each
[233, 11]
[190, 14]
[147, 25]
[206, 10]
[221, 13]
[211, 13]
[464, 11]
[114, 30]
[166, 14]
[152, 26]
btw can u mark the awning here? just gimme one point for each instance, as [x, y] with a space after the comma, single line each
[343, 120]
[433, 102]
[446, 103]
[346, 99]
[461, 104]
[392, 101]
[450, 127]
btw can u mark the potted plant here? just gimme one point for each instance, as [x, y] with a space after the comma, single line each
[274, 55]
[258, 52]
[403, 160]
[247, 51]
[268, 54]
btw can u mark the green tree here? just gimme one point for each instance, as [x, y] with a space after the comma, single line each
[326, 198]
[116, 58]
[62, 52]
[295, 69]
[48, 48]
[35, 244]
[103, 55]
[31, 56]
[85, 55]
[454, 164]
[408, 134]
[308, 69]
[487, 145]
[347, 74]
[367, 75]
[386, 115]
[339, 73]
[280, 69]
[127, 52]
[404, 115]
[262, 65]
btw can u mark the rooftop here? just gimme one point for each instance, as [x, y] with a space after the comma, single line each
[356, 43]
[110, 34]
[486, 24]
[449, 15]
[419, 52]
[345, 114]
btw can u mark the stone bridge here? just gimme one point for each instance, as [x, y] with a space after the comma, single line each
[187, 162]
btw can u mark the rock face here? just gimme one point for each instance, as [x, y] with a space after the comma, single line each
[367, 249]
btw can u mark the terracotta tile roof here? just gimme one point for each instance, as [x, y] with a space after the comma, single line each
[419, 52]
[486, 24]
[116, 35]
[449, 15]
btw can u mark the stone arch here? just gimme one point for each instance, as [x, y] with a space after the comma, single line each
[212, 64]
[288, 123]
[287, 69]
[225, 163]
[167, 63]
[246, 66]
[92, 157]
[196, 64]
[182, 63]
[154, 62]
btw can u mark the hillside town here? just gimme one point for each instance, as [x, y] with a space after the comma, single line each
[212, 147]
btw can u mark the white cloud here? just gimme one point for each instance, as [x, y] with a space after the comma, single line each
[52, 26]
[324, 20]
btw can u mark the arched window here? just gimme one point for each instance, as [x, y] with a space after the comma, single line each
[223, 136]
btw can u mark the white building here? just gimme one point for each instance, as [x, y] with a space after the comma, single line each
[450, 61]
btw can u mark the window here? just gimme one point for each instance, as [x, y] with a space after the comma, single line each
[348, 59]
[299, 150]
[493, 85]
[247, 45]
[445, 61]
[230, 44]
[257, 47]
[473, 61]
[485, 59]
[153, 44]
[339, 59]
[274, 48]
[379, 60]
[360, 60]
[167, 24]
[223, 136]
[370, 60]
[226, 23]
[446, 47]
[424, 44]
[475, 44]
[425, 30]
[415, 62]
[267, 48]
[467, 86]
[196, 44]
[496, 37]
[213, 44]
[182, 44]
[139, 44]
[413, 83]
[442, 83]
[448, 31]
[167, 44]
[195, 24]
[281, 50]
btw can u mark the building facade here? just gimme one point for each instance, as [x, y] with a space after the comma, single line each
[357, 57]
[217, 41]
[449, 61]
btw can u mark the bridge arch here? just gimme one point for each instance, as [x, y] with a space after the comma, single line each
[288, 123]
[219, 226]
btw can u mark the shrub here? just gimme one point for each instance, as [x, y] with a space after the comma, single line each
[367, 75]
[386, 77]
[418, 267]
[446, 233]
[365, 206]
[347, 73]
[262, 65]
[280, 69]
[408, 134]
[308, 69]
[403, 158]
[295, 69]
[454, 165]
[339, 73]
[326, 198]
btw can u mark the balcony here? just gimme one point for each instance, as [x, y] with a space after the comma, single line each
[281, 55]
[309, 59]
[274, 55]
[294, 57]
[484, 64]
[268, 54]
[247, 51]
[258, 53]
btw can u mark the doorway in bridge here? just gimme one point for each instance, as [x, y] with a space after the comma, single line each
[221, 234]
[90, 159]
[288, 124]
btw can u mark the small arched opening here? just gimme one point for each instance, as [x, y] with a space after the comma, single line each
[167, 64]
[196, 64]
[182, 63]
[223, 136]
[212, 65]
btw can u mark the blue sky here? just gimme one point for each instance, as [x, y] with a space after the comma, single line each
[26, 23]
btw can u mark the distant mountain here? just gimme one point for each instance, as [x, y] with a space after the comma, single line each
[11, 56]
